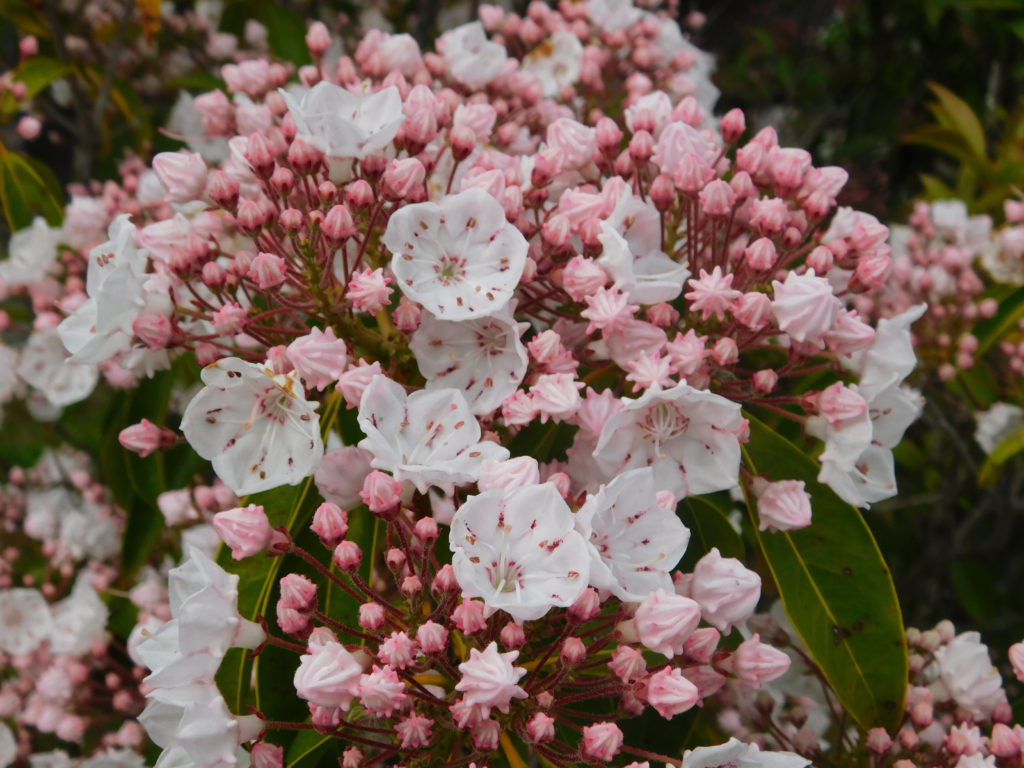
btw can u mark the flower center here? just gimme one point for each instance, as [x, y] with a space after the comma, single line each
[662, 423]
[450, 269]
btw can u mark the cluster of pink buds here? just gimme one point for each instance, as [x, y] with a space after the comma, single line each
[63, 679]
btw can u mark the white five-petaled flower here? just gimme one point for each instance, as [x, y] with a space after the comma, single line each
[25, 621]
[556, 62]
[736, 753]
[483, 358]
[43, 365]
[646, 278]
[429, 438]
[459, 258]
[256, 427]
[342, 124]
[519, 552]
[102, 325]
[634, 542]
[471, 58]
[688, 436]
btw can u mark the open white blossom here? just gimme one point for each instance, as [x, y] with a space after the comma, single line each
[556, 62]
[8, 746]
[645, 277]
[519, 552]
[79, 620]
[613, 15]
[737, 754]
[996, 424]
[688, 436]
[43, 366]
[483, 358]
[967, 673]
[256, 427]
[634, 542]
[102, 325]
[471, 58]
[429, 438]
[31, 253]
[343, 124]
[459, 258]
[25, 621]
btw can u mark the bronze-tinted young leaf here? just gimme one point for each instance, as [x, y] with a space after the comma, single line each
[836, 588]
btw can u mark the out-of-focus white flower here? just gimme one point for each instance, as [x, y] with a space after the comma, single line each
[43, 365]
[996, 424]
[31, 253]
[736, 753]
[556, 62]
[79, 620]
[342, 124]
[25, 621]
[471, 58]
[966, 671]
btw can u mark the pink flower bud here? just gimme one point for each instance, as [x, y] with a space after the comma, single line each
[183, 175]
[726, 591]
[725, 351]
[347, 555]
[717, 198]
[319, 357]
[267, 270]
[368, 290]
[432, 637]
[583, 277]
[1005, 742]
[512, 635]
[469, 616]
[760, 255]
[318, 39]
[397, 650]
[662, 192]
[328, 676]
[840, 404]
[753, 310]
[573, 651]
[145, 437]
[298, 592]
[338, 224]
[608, 135]
[663, 621]
[757, 663]
[245, 530]
[627, 664]
[512, 473]
[371, 616]
[445, 581]
[782, 505]
[734, 125]
[1016, 654]
[29, 128]
[403, 177]
[267, 755]
[670, 693]
[381, 492]
[223, 190]
[486, 735]
[602, 741]
[541, 727]
[641, 147]
[330, 523]
[352, 757]
[874, 271]
[879, 741]
[702, 644]
[28, 47]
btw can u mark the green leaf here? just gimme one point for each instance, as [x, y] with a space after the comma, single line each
[27, 189]
[1006, 450]
[307, 748]
[36, 73]
[709, 527]
[944, 139]
[935, 188]
[836, 588]
[962, 118]
[994, 329]
[286, 33]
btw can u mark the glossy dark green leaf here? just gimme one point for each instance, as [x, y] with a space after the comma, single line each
[709, 527]
[836, 588]
[28, 189]
[307, 749]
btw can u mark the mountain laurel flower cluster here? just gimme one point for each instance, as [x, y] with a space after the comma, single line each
[502, 332]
